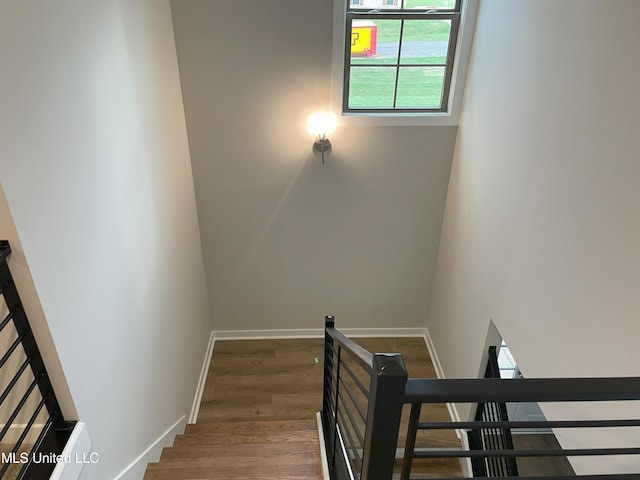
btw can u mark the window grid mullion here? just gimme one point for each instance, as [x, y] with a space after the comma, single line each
[398, 57]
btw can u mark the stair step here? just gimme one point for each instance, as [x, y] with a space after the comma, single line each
[240, 471]
[253, 447]
[242, 438]
[242, 450]
[221, 454]
[252, 425]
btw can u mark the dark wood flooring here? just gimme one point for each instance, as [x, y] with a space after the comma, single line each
[257, 417]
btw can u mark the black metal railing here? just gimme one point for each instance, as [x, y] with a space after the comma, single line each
[362, 406]
[361, 424]
[494, 438]
[32, 427]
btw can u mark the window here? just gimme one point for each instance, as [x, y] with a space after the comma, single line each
[401, 62]
[399, 56]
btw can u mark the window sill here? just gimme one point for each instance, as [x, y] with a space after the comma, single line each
[398, 119]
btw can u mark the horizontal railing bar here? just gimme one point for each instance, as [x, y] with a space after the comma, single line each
[334, 380]
[351, 420]
[3, 468]
[30, 423]
[330, 374]
[345, 455]
[362, 388]
[528, 424]
[362, 356]
[570, 452]
[328, 392]
[476, 390]
[579, 477]
[15, 413]
[38, 445]
[6, 320]
[361, 412]
[352, 447]
[13, 346]
[14, 380]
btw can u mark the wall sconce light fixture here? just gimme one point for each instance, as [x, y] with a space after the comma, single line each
[321, 125]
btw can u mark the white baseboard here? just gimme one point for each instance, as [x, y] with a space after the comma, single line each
[465, 463]
[195, 408]
[267, 334]
[77, 450]
[316, 333]
[382, 332]
[323, 449]
[433, 354]
[453, 412]
[135, 470]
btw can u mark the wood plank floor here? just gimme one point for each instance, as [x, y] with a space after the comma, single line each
[257, 417]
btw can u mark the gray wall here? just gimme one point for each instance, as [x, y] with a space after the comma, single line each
[94, 162]
[541, 230]
[285, 239]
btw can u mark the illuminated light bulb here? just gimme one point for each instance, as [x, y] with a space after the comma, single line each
[321, 125]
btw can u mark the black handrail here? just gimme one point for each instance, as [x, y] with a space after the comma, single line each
[359, 354]
[474, 390]
[56, 430]
[374, 458]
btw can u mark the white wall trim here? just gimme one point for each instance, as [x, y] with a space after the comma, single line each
[433, 354]
[316, 333]
[135, 470]
[323, 449]
[195, 408]
[382, 332]
[267, 334]
[453, 412]
[465, 464]
[78, 447]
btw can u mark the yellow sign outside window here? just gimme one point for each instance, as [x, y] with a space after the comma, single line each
[364, 38]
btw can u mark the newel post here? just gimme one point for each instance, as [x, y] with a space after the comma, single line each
[386, 398]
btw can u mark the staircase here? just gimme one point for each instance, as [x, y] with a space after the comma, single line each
[257, 419]
[250, 450]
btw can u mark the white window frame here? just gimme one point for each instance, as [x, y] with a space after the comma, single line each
[399, 118]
